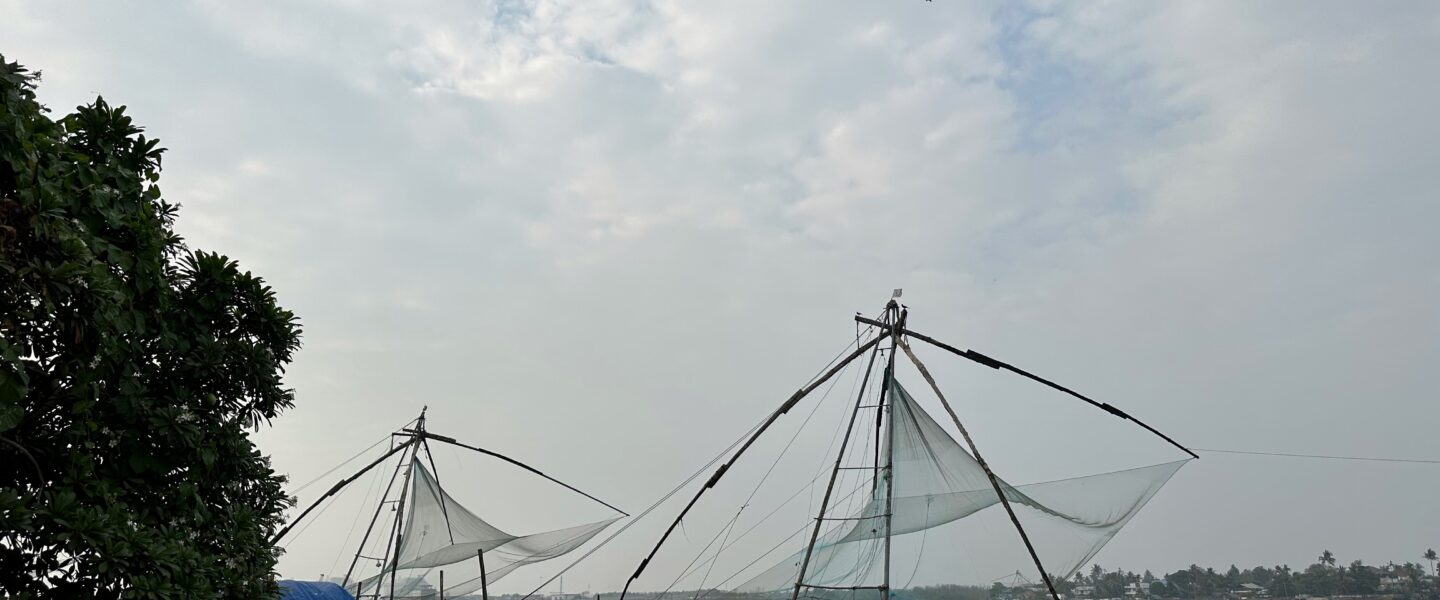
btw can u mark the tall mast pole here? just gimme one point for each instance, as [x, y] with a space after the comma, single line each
[834, 474]
[887, 402]
[396, 533]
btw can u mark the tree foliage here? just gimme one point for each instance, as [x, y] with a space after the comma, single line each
[1321, 579]
[131, 370]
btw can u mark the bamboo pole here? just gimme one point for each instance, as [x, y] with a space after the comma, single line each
[994, 481]
[834, 474]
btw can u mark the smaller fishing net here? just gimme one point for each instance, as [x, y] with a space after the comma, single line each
[441, 534]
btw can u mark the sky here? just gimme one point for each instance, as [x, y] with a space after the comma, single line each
[608, 237]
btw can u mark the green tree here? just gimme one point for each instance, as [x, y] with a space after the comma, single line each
[1361, 579]
[1282, 585]
[131, 370]
[1431, 556]
[1327, 558]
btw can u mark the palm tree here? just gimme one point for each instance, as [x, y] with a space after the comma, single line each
[1431, 556]
[1327, 558]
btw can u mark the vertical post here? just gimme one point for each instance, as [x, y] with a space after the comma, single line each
[484, 583]
[834, 474]
[442, 584]
[399, 533]
[887, 405]
[880, 414]
[357, 590]
[400, 512]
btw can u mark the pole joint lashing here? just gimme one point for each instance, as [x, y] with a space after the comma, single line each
[852, 518]
[718, 474]
[1115, 411]
[985, 360]
[794, 399]
[640, 569]
[432, 436]
[840, 587]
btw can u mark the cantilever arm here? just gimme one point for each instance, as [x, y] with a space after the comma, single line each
[454, 442]
[333, 490]
[995, 364]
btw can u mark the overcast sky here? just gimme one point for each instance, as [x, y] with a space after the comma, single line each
[607, 237]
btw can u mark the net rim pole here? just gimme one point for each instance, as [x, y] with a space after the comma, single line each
[982, 359]
[830, 487]
[994, 481]
[457, 443]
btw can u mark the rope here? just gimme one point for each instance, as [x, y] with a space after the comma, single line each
[925, 535]
[1422, 461]
[648, 510]
[369, 492]
[337, 467]
[863, 487]
[774, 463]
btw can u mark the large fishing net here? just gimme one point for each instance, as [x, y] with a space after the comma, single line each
[439, 534]
[936, 483]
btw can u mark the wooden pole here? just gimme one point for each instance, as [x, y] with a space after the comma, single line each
[442, 584]
[995, 364]
[457, 443]
[994, 481]
[484, 582]
[887, 402]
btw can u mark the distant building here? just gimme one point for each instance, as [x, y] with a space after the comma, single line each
[1083, 591]
[1138, 589]
[1249, 590]
[1392, 583]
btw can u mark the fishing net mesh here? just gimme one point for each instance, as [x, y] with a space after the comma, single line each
[936, 483]
[439, 533]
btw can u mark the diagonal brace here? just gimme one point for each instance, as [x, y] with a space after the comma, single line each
[994, 481]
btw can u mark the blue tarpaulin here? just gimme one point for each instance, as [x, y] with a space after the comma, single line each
[312, 590]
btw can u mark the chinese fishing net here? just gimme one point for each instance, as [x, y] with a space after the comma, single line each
[937, 483]
[441, 534]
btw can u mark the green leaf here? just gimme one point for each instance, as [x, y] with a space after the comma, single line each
[12, 392]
